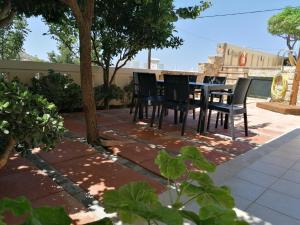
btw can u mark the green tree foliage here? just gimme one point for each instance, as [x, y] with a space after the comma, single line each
[64, 56]
[58, 89]
[26, 121]
[123, 28]
[12, 38]
[138, 201]
[42, 215]
[286, 25]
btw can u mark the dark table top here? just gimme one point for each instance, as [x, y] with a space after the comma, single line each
[209, 86]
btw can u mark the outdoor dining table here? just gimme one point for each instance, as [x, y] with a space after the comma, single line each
[205, 88]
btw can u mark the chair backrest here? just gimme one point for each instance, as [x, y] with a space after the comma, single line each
[219, 80]
[135, 83]
[214, 80]
[208, 79]
[146, 85]
[176, 88]
[241, 91]
[192, 78]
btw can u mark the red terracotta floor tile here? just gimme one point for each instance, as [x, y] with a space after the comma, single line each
[75, 126]
[16, 164]
[78, 213]
[96, 174]
[31, 184]
[67, 150]
[136, 152]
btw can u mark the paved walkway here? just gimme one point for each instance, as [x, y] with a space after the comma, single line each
[75, 175]
[266, 182]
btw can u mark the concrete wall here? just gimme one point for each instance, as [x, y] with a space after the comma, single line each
[256, 59]
[234, 72]
[26, 70]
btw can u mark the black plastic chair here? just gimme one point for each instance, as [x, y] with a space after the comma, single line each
[216, 94]
[134, 92]
[146, 94]
[237, 104]
[193, 78]
[177, 97]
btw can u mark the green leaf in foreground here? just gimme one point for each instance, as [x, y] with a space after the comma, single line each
[35, 216]
[170, 167]
[138, 200]
[192, 154]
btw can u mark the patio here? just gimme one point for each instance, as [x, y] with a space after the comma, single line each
[75, 175]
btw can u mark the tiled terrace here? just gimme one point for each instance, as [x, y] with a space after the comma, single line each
[75, 175]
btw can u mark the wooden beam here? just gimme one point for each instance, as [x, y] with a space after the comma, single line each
[296, 81]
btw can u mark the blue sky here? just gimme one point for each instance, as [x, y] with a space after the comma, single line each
[200, 36]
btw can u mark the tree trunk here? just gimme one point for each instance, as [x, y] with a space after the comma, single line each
[84, 13]
[6, 152]
[89, 105]
[295, 86]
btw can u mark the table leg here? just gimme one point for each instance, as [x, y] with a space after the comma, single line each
[202, 122]
[141, 112]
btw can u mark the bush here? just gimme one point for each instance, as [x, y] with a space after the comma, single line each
[128, 90]
[26, 120]
[59, 89]
[102, 93]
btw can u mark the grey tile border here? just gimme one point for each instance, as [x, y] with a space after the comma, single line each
[260, 215]
[281, 203]
[68, 185]
[232, 167]
[287, 187]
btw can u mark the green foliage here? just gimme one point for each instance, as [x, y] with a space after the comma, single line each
[286, 25]
[64, 56]
[113, 92]
[58, 89]
[12, 38]
[117, 39]
[42, 216]
[28, 119]
[136, 201]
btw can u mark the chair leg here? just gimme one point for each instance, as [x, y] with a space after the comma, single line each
[161, 116]
[217, 120]
[175, 116]
[222, 119]
[146, 109]
[232, 126]
[185, 113]
[194, 114]
[180, 116]
[131, 105]
[246, 124]
[153, 115]
[137, 108]
[208, 122]
[226, 121]
[158, 111]
[166, 112]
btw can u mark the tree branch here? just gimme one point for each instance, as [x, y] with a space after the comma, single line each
[75, 9]
[6, 14]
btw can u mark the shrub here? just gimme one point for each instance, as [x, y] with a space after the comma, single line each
[138, 201]
[59, 89]
[26, 120]
[102, 94]
[128, 90]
